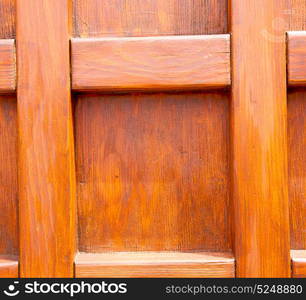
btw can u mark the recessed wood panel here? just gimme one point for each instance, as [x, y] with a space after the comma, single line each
[155, 264]
[297, 166]
[8, 176]
[152, 172]
[150, 17]
[7, 17]
[151, 63]
[297, 13]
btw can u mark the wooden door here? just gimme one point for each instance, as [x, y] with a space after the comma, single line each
[152, 138]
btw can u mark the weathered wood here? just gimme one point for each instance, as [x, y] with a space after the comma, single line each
[151, 63]
[149, 18]
[152, 172]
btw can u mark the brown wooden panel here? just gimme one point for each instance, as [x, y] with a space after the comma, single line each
[297, 13]
[7, 66]
[297, 58]
[297, 166]
[152, 172]
[8, 266]
[46, 164]
[7, 17]
[150, 17]
[298, 263]
[176, 62]
[259, 141]
[152, 264]
[8, 176]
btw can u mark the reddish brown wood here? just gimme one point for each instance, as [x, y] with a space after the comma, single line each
[46, 164]
[297, 58]
[296, 13]
[8, 266]
[151, 17]
[152, 172]
[298, 263]
[297, 166]
[155, 264]
[259, 141]
[7, 66]
[7, 17]
[151, 63]
[8, 177]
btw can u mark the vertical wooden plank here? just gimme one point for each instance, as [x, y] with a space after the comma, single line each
[258, 129]
[46, 163]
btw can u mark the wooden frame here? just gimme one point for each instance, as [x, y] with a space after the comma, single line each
[251, 62]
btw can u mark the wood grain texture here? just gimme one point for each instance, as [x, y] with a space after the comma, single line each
[152, 172]
[162, 63]
[297, 166]
[149, 17]
[297, 58]
[7, 17]
[296, 15]
[46, 164]
[259, 141]
[8, 176]
[298, 263]
[8, 266]
[7, 66]
[154, 264]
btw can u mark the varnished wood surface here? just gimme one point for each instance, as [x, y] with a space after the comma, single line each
[298, 263]
[297, 166]
[259, 141]
[297, 58]
[97, 18]
[8, 19]
[152, 172]
[46, 164]
[162, 63]
[8, 176]
[155, 264]
[7, 66]
[8, 266]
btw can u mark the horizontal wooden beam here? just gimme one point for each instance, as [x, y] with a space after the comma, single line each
[151, 63]
[154, 264]
[298, 263]
[7, 66]
[8, 266]
[296, 58]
